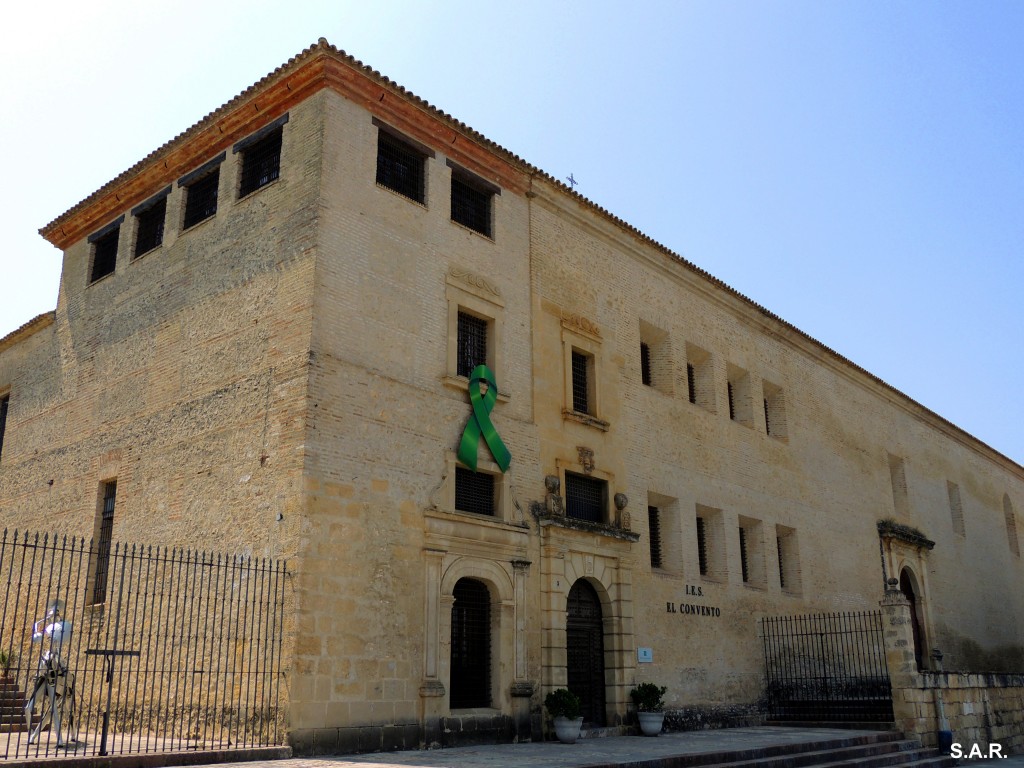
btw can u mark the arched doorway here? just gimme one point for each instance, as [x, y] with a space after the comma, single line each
[585, 651]
[907, 588]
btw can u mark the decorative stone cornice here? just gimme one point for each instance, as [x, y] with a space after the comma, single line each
[890, 529]
[581, 324]
[474, 280]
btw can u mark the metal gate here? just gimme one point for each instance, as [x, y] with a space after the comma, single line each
[827, 667]
[114, 649]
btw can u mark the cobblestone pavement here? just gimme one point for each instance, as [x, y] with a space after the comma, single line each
[609, 751]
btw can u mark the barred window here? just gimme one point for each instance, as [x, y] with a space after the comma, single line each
[581, 364]
[645, 363]
[654, 534]
[201, 199]
[471, 343]
[261, 163]
[149, 231]
[471, 645]
[104, 254]
[743, 556]
[782, 562]
[5, 403]
[474, 492]
[401, 167]
[101, 544]
[691, 383]
[585, 497]
[732, 400]
[702, 546]
[471, 204]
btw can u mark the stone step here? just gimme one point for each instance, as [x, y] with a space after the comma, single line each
[873, 754]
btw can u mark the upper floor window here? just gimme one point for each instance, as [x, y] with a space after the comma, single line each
[586, 498]
[261, 157]
[582, 382]
[401, 166]
[104, 250]
[472, 201]
[5, 402]
[472, 343]
[149, 223]
[201, 192]
[474, 491]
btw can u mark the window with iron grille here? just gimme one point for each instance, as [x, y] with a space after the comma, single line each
[782, 562]
[261, 163]
[401, 167]
[743, 556]
[585, 497]
[732, 401]
[5, 403]
[702, 546]
[471, 348]
[471, 204]
[691, 383]
[101, 545]
[581, 401]
[645, 363]
[654, 534]
[471, 645]
[104, 254]
[149, 228]
[201, 199]
[474, 491]
[767, 419]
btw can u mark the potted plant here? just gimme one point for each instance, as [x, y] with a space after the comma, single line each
[564, 707]
[6, 660]
[650, 705]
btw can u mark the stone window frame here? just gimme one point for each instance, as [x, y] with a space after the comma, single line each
[787, 547]
[715, 550]
[574, 339]
[657, 342]
[738, 389]
[480, 299]
[750, 531]
[575, 468]
[669, 524]
[504, 510]
[776, 424]
[701, 369]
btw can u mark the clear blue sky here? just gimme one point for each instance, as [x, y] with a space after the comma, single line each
[855, 167]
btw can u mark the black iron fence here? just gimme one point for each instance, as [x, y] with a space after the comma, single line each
[129, 649]
[827, 667]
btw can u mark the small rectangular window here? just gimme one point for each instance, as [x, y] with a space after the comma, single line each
[645, 363]
[585, 497]
[149, 231]
[104, 254]
[474, 492]
[775, 411]
[732, 400]
[654, 535]
[702, 546]
[789, 559]
[741, 407]
[401, 167]
[744, 566]
[101, 543]
[691, 383]
[581, 383]
[201, 199]
[5, 403]
[471, 204]
[471, 343]
[261, 163]
[956, 508]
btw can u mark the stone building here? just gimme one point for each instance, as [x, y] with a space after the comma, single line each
[263, 342]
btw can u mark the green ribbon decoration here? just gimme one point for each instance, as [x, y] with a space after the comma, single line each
[480, 422]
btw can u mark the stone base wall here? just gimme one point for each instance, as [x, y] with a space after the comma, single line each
[979, 708]
[704, 718]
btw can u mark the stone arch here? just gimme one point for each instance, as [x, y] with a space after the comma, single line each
[911, 588]
[499, 632]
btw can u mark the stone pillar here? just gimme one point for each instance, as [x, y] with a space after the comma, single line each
[432, 689]
[898, 636]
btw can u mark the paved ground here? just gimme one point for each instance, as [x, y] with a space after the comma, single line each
[610, 751]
